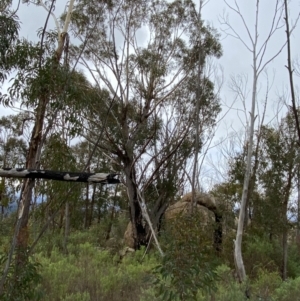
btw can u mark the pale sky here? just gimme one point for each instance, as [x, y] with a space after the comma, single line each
[236, 60]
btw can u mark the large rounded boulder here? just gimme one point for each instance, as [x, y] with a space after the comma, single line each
[205, 204]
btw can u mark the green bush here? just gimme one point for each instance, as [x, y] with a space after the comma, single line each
[261, 253]
[189, 261]
[288, 291]
[293, 266]
[264, 285]
[227, 288]
[93, 274]
[21, 284]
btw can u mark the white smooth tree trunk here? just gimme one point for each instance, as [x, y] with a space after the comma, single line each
[259, 62]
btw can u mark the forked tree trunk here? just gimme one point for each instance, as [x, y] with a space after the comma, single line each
[136, 217]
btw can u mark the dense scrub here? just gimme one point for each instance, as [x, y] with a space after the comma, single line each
[94, 270]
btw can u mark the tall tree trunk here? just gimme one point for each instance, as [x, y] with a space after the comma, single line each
[67, 227]
[284, 211]
[258, 65]
[136, 216]
[298, 208]
[112, 214]
[197, 111]
[91, 214]
[21, 235]
[285, 231]
[239, 235]
[86, 212]
[290, 69]
[284, 254]
[294, 107]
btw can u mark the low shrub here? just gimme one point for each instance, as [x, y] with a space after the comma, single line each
[288, 291]
[94, 274]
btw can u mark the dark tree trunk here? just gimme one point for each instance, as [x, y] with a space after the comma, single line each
[218, 233]
[66, 176]
[136, 216]
[284, 254]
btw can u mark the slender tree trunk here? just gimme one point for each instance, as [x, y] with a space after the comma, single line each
[284, 253]
[285, 221]
[67, 227]
[294, 107]
[86, 212]
[20, 239]
[112, 214]
[239, 235]
[92, 206]
[258, 65]
[298, 208]
[61, 218]
[252, 180]
[285, 234]
[290, 69]
[33, 163]
[197, 122]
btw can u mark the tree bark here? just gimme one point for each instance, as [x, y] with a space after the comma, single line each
[284, 254]
[298, 208]
[290, 69]
[102, 178]
[136, 216]
[294, 107]
[67, 227]
[86, 212]
[21, 235]
[92, 206]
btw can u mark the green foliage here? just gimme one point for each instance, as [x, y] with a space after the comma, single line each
[293, 265]
[93, 274]
[261, 253]
[288, 291]
[265, 284]
[8, 35]
[188, 264]
[22, 285]
[227, 288]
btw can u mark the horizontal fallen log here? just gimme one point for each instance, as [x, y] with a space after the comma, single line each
[102, 178]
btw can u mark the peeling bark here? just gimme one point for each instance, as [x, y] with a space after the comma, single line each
[102, 178]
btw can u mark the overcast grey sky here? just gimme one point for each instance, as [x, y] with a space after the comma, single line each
[236, 59]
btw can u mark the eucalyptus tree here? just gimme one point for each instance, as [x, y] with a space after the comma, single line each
[293, 91]
[258, 48]
[38, 84]
[144, 56]
[278, 156]
[279, 163]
